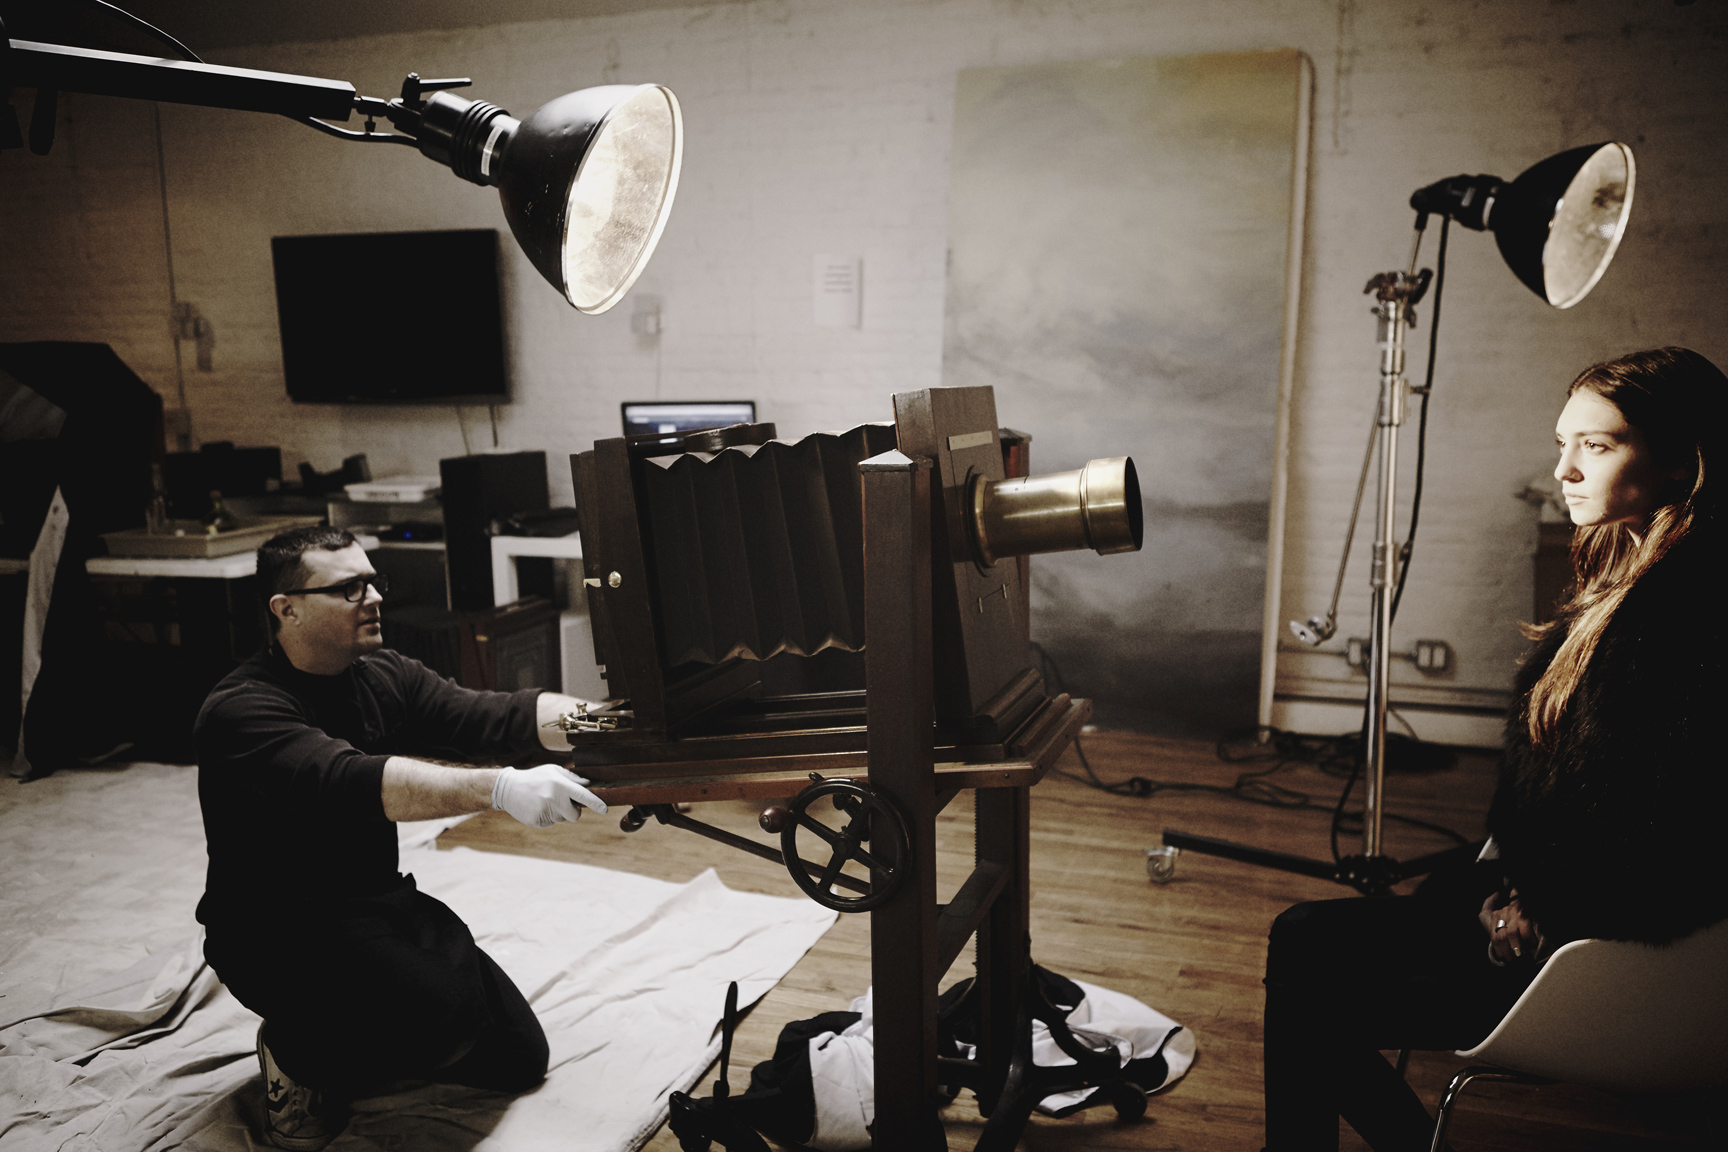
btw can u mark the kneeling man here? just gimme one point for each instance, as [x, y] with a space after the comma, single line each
[305, 760]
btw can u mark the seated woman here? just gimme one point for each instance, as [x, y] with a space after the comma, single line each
[1611, 795]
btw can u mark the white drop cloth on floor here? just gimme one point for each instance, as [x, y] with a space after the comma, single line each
[115, 1036]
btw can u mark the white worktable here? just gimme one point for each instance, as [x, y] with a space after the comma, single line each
[231, 567]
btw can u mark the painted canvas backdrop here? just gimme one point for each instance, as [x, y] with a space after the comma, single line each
[1117, 246]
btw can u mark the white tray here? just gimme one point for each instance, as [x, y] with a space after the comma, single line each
[193, 542]
[395, 490]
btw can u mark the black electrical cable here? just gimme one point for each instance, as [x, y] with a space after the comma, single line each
[1334, 755]
[150, 30]
[1422, 421]
[1249, 786]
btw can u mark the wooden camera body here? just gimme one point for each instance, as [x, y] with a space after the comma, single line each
[725, 580]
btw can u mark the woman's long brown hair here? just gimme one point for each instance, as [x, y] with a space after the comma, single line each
[1676, 398]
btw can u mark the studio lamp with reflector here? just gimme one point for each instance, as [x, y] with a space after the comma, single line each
[1557, 225]
[586, 181]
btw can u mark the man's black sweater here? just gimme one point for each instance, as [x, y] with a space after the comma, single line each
[291, 768]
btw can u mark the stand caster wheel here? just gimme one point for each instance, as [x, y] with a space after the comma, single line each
[1128, 1099]
[1161, 865]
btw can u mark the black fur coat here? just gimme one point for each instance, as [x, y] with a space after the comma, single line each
[1617, 831]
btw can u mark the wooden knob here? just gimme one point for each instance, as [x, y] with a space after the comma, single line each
[773, 819]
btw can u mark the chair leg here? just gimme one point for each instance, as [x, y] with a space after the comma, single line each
[1456, 1088]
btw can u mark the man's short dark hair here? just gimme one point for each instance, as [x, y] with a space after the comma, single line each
[280, 566]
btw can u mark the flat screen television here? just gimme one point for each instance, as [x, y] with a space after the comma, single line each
[391, 317]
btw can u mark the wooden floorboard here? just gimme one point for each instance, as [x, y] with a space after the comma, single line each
[1193, 948]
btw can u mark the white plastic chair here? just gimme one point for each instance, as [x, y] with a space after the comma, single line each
[1627, 1017]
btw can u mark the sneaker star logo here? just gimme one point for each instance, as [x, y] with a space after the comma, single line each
[276, 1089]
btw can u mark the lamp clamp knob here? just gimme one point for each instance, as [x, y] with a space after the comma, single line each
[414, 87]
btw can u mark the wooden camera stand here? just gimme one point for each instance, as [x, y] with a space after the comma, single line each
[948, 700]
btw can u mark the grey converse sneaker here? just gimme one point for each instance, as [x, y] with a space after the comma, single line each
[296, 1117]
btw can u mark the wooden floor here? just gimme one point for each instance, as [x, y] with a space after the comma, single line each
[1193, 949]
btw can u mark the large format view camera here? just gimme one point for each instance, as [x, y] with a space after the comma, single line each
[845, 617]
[725, 580]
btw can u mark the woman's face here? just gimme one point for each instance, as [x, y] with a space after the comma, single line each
[1606, 471]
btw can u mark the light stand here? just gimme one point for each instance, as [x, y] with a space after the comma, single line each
[1558, 226]
[1397, 293]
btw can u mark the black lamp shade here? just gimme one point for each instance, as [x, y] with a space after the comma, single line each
[1559, 223]
[587, 182]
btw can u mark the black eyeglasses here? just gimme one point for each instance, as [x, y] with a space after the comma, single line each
[352, 591]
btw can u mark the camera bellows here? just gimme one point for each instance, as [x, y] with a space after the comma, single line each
[757, 550]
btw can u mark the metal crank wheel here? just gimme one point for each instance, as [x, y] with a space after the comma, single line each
[872, 819]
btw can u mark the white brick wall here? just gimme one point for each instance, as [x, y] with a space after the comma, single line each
[824, 126]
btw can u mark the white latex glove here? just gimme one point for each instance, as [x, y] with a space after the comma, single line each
[542, 796]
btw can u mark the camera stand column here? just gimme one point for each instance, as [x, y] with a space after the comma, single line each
[901, 749]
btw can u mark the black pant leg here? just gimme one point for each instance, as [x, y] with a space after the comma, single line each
[1347, 978]
[392, 988]
[510, 1052]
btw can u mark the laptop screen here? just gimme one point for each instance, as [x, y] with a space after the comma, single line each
[670, 417]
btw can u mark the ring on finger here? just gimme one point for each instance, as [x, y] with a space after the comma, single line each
[1499, 924]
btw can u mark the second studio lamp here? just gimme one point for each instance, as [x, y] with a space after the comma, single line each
[587, 181]
[1558, 226]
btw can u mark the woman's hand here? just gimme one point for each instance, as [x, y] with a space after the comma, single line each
[1510, 935]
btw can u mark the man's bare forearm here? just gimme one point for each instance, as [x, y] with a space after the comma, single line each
[416, 790]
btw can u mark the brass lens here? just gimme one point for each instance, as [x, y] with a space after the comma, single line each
[1097, 507]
